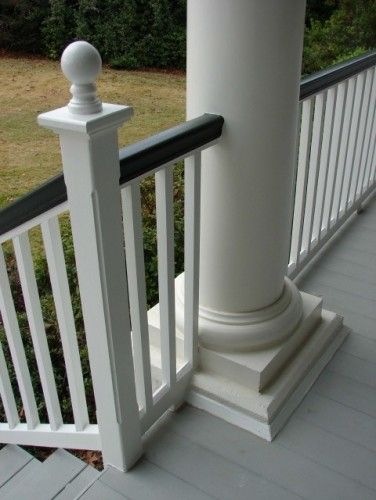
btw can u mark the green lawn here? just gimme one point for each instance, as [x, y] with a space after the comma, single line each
[29, 154]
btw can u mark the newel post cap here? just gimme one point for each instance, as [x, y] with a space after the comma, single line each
[81, 64]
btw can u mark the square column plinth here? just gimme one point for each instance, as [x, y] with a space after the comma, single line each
[258, 390]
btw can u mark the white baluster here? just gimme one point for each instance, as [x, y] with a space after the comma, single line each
[37, 330]
[63, 303]
[12, 330]
[166, 271]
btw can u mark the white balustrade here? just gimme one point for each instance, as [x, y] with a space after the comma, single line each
[335, 163]
[132, 390]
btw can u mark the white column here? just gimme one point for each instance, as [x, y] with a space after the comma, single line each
[88, 138]
[244, 62]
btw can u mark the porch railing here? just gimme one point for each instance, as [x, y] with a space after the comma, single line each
[335, 174]
[40, 211]
[336, 154]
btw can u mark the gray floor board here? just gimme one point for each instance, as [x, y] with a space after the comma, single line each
[50, 479]
[212, 473]
[339, 419]
[354, 367]
[300, 475]
[99, 491]
[339, 454]
[12, 459]
[10, 490]
[348, 284]
[147, 481]
[79, 484]
[347, 391]
[360, 346]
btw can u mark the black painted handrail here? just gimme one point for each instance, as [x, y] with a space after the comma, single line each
[135, 160]
[328, 77]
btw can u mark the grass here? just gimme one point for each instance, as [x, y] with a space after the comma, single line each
[29, 86]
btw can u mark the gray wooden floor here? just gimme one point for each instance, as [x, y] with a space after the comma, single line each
[328, 448]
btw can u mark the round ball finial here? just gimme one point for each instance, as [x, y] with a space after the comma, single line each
[81, 64]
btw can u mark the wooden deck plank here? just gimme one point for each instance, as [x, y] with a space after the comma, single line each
[12, 459]
[99, 491]
[347, 391]
[210, 472]
[148, 481]
[300, 475]
[50, 479]
[10, 490]
[355, 368]
[79, 484]
[339, 419]
[360, 346]
[340, 455]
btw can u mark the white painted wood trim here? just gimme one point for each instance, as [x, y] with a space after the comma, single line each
[34, 314]
[133, 232]
[63, 303]
[192, 205]
[6, 393]
[42, 435]
[166, 271]
[16, 347]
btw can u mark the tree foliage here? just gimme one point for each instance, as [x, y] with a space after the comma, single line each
[337, 30]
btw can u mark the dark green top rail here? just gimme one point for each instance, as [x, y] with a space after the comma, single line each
[135, 160]
[328, 77]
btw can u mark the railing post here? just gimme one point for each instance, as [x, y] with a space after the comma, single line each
[88, 138]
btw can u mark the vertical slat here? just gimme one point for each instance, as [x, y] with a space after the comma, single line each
[339, 122]
[363, 131]
[320, 109]
[373, 165]
[303, 168]
[355, 134]
[166, 271]
[371, 137]
[132, 221]
[330, 111]
[345, 146]
[192, 180]
[6, 393]
[297, 198]
[60, 289]
[12, 330]
[35, 318]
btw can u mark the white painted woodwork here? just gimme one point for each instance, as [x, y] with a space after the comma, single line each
[91, 170]
[66, 436]
[164, 183]
[133, 232]
[242, 269]
[359, 98]
[192, 205]
[30, 294]
[6, 393]
[81, 64]
[62, 298]
[13, 334]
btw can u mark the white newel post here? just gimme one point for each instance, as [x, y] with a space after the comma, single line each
[244, 63]
[88, 138]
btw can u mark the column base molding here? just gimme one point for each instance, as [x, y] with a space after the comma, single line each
[258, 390]
[265, 413]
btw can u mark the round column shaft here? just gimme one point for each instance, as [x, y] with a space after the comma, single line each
[244, 62]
